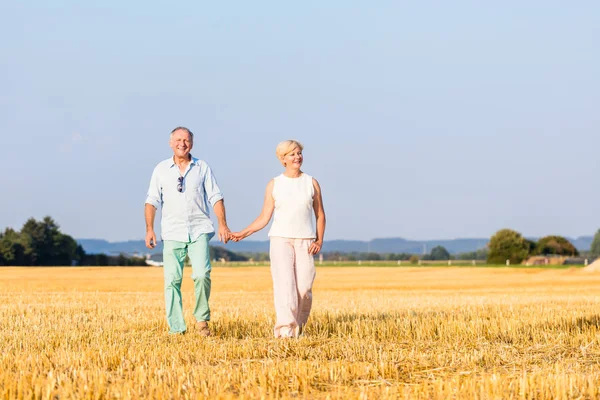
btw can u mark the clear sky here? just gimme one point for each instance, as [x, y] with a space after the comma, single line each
[423, 120]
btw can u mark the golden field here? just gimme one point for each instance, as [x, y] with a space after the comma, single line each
[432, 333]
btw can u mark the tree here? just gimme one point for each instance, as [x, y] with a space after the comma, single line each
[2, 260]
[507, 244]
[79, 254]
[480, 254]
[595, 249]
[12, 251]
[557, 245]
[46, 245]
[217, 252]
[439, 253]
[121, 260]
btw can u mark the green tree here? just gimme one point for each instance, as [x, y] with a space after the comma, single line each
[507, 244]
[595, 249]
[46, 245]
[12, 251]
[79, 255]
[218, 252]
[2, 259]
[122, 260]
[439, 253]
[100, 259]
[480, 254]
[557, 245]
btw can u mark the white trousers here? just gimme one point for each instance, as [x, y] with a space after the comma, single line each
[293, 272]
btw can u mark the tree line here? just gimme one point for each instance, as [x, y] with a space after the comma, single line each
[507, 244]
[41, 243]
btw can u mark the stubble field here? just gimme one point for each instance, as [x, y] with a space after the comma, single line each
[433, 333]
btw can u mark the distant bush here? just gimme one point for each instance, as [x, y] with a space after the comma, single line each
[507, 244]
[39, 243]
[595, 248]
[555, 245]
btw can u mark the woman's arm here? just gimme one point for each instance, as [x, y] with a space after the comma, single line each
[315, 247]
[263, 219]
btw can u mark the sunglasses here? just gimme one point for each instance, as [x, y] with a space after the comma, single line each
[180, 184]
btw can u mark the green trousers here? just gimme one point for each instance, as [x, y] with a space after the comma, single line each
[174, 254]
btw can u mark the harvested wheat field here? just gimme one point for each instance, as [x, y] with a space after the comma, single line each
[432, 333]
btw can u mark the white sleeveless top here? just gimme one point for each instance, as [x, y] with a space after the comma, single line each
[293, 215]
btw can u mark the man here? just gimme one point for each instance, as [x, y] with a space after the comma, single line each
[184, 186]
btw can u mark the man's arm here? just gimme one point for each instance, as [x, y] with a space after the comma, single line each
[149, 214]
[153, 200]
[215, 197]
[224, 232]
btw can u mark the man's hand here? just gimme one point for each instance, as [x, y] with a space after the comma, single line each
[237, 236]
[150, 239]
[315, 248]
[224, 233]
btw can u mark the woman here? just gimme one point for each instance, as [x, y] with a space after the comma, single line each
[292, 197]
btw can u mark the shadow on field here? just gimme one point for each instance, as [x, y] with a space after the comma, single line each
[588, 322]
[574, 325]
[243, 329]
[320, 324]
[373, 325]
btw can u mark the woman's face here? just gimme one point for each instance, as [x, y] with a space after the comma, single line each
[293, 159]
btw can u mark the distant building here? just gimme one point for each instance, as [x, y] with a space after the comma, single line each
[156, 260]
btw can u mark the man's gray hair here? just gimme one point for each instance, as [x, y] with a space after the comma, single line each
[183, 128]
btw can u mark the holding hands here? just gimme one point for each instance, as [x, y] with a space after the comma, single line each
[313, 249]
[224, 233]
[237, 236]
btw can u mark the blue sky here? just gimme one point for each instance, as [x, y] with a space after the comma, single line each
[420, 120]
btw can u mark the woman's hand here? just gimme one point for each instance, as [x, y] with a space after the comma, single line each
[237, 236]
[315, 247]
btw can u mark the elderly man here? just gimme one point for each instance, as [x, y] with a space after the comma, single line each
[184, 186]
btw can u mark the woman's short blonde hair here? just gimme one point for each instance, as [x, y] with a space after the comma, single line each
[285, 147]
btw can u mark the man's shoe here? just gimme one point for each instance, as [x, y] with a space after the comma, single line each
[203, 329]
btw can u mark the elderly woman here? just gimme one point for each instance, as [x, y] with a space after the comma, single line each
[292, 197]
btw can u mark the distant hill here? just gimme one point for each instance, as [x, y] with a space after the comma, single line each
[138, 247]
[96, 246]
[388, 245]
[582, 243]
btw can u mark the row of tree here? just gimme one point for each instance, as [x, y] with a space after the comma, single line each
[437, 253]
[507, 244]
[595, 248]
[42, 243]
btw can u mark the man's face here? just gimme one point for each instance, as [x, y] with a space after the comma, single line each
[181, 143]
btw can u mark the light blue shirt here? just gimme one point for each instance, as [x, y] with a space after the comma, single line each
[185, 214]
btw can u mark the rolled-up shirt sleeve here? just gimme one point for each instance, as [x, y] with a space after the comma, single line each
[154, 194]
[213, 193]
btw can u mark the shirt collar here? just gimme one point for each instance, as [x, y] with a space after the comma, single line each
[193, 161]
